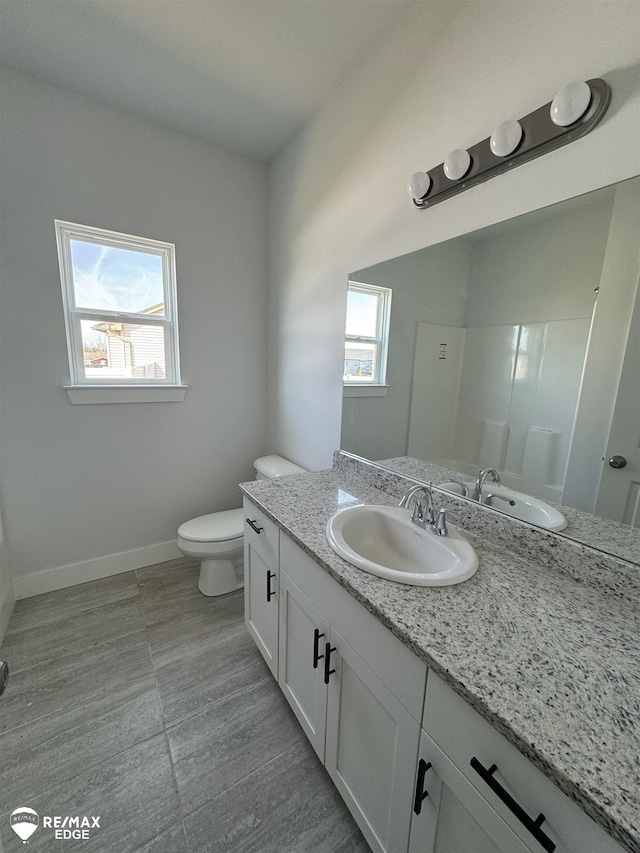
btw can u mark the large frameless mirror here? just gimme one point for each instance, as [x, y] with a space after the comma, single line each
[516, 348]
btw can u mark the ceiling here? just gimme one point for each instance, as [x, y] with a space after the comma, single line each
[246, 74]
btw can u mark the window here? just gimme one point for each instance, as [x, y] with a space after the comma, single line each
[119, 296]
[367, 333]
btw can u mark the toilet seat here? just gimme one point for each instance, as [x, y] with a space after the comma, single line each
[215, 527]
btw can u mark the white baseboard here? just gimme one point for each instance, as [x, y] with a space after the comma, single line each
[90, 570]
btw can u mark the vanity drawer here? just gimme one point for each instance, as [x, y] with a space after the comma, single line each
[260, 533]
[474, 746]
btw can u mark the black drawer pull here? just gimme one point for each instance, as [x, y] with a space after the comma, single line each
[532, 825]
[316, 647]
[270, 592]
[254, 526]
[327, 661]
[423, 766]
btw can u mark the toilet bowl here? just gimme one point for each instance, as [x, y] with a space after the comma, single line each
[217, 539]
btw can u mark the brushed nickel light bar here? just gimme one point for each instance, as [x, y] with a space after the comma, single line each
[574, 112]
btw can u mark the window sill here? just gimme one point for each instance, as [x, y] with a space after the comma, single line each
[90, 394]
[365, 390]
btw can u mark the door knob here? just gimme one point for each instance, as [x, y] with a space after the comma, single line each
[617, 461]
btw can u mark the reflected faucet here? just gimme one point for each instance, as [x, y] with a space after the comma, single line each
[464, 489]
[488, 501]
[482, 475]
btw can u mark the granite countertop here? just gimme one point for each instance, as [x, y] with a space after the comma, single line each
[552, 663]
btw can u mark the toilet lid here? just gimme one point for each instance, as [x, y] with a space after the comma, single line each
[214, 527]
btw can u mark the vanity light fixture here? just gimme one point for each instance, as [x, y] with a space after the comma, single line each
[574, 112]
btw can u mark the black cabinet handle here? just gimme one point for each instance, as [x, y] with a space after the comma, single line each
[316, 647]
[254, 526]
[515, 808]
[328, 648]
[270, 592]
[423, 766]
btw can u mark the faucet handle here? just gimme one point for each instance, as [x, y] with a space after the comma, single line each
[440, 525]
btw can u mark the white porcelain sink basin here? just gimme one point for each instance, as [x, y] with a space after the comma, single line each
[524, 507]
[384, 541]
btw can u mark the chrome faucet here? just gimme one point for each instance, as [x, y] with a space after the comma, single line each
[482, 475]
[423, 513]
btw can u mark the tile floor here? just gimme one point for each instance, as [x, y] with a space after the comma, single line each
[138, 700]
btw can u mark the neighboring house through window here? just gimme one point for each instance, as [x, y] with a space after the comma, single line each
[119, 295]
[367, 333]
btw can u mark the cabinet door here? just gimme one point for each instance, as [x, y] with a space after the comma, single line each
[261, 585]
[528, 802]
[303, 638]
[450, 816]
[371, 748]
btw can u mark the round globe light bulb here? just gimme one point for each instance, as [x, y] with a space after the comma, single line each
[419, 185]
[506, 138]
[457, 164]
[570, 104]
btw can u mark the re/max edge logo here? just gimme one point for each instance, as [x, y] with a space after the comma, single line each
[24, 821]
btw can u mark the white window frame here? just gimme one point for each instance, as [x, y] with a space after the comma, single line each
[381, 339]
[122, 389]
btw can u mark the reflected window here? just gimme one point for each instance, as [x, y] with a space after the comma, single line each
[367, 334]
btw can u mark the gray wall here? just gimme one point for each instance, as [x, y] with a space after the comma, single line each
[338, 200]
[85, 482]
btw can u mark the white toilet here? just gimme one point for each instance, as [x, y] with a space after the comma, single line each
[217, 539]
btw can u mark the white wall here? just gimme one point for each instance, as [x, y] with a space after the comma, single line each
[338, 197]
[81, 483]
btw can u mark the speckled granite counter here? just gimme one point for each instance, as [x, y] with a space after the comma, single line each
[549, 658]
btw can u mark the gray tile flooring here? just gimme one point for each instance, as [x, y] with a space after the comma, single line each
[138, 700]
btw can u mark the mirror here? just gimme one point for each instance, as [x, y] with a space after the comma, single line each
[506, 349]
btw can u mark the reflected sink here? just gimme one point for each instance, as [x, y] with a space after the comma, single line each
[384, 541]
[525, 507]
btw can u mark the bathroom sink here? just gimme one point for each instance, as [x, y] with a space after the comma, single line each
[384, 541]
[524, 507]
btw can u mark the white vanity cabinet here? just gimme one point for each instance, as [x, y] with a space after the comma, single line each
[420, 770]
[356, 690]
[483, 795]
[261, 577]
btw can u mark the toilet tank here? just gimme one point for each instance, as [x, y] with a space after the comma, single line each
[270, 467]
